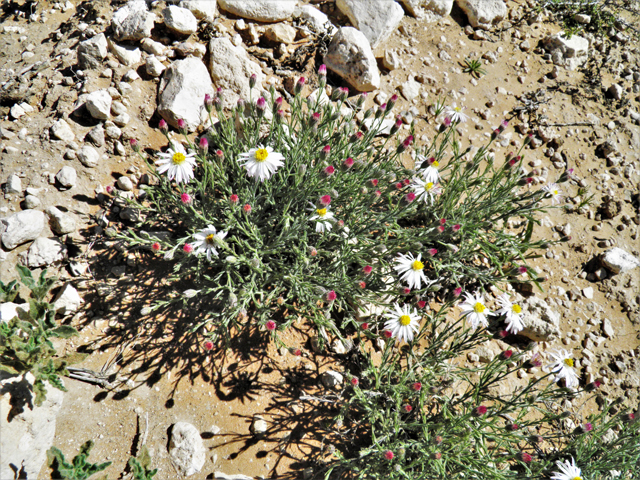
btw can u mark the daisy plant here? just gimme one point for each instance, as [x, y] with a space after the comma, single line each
[302, 209]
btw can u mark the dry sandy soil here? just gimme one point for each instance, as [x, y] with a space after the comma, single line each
[169, 375]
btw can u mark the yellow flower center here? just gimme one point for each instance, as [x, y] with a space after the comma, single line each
[428, 186]
[209, 239]
[555, 192]
[321, 211]
[516, 308]
[568, 362]
[405, 320]
[178, 158]
[261, 154]
[435, 164]
[577, 478]
[417, 265]
[478, 307]
[457, 109]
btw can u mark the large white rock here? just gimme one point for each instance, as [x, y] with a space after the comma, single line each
[45, 251]
[231, 68]
[541, 323]
[182, 89]
[224, 476]
[567, 52]
[314, 17]
[60, 222]
[8, 310]
[483, 13]
[260, 10]
[180, 20]
[349, 55]
[126, 54]
[68, 300]
[376, 23]
[27, 432]
[417, 7]
[617, 260]
[89, 156]
[154, 66]
[21, 227]
[206, 10]
[133, 21]
[67, 176]
[98, 104]
[91, 52]
[186, 448]
[62, 131]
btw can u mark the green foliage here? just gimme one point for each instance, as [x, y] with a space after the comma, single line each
[80, 468]
[25, 344]
[419, 404]
[274, 259]
[8, 292]
[602, 13]
[140, 465]
[474, 67]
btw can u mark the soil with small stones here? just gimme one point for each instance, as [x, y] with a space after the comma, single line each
[162, 372]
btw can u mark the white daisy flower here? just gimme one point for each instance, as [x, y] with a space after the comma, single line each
[512, 313]
[402, 323]
[262, 162]
[323, 217]
[553, 190]
[455, 114]
[475, 310]
[412, 270]
[562, 367]
[568, 471]
[177, 163]
[431, 173]
[206, 241]
[425, 190]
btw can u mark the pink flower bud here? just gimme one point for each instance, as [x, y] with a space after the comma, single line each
[204, 143]
[162, 125]
[156, 247]
[457, 292]
[330, 170]
[247, 208]
[388, 455]
[374, 182]
[325, 200]
[410, 197]
[181, 123]
[187, 248]
[348, 162]
[208, 345]
[367, 269]
[233, 198]
[271, 325]
[422, 304]
[186, 198]
[322, 70]
[331, 296]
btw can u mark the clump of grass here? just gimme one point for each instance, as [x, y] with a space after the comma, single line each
[474, 67]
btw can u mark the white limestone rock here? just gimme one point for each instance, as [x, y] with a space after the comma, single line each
[206, 10]
[260, 10]
[88, 156]
[132, 21]
[98, 104]
[483, 13]
[67, 301]
[91, 52]
[231, 68]
[617, 260]
[376, 23]
[13, 185]
[60, 222]
[62, 131]
[180, 20]
[224, 476]
[541, 323]
[186, 448]
[314, 17]
[567, 52]
[410, 89]
[349, 55]
[182, 89]
[9, 310]
[43, 252]
[154, 66]
[21, 227]
[332, 379]
[27, 433]
[418, 8]
[281, 33]
[152, 47]
[126, 54]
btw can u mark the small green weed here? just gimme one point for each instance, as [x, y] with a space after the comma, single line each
[474, 67]
[80, 469]
[140, 465]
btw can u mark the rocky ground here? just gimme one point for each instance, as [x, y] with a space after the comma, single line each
[79, 79]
